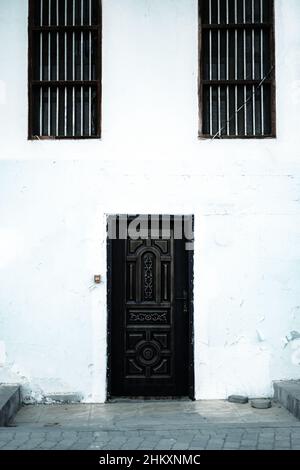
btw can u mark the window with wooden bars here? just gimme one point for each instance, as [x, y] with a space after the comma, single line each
[237, 69]
[64, 69]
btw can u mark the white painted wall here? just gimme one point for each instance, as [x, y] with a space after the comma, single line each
[54, 197]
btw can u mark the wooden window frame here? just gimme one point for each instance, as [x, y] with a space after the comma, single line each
[31, 83]
[271, 80]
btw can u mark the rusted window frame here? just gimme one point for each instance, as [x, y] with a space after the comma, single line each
[271, 79]
[32, 83]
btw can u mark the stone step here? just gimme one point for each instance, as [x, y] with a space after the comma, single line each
[287, 392]
[10, 403]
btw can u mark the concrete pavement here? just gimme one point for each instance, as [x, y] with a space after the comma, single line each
[148, 425]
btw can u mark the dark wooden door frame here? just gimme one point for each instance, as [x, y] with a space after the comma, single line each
[190, 257]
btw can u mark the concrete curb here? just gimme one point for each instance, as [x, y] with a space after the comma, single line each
[287, 393]
[10, 403]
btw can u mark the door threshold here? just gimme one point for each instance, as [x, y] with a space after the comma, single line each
[146, 399]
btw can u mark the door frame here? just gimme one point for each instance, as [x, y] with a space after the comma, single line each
[190, 260]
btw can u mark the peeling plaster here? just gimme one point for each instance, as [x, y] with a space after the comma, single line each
[293, 336]
[296, 352]
[296, 312]
[261, 337]
[31, 392]
[2, 353]
[36, 390]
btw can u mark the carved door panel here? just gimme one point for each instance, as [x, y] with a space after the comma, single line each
[149, 318]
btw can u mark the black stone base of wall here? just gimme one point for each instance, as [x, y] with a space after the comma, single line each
[10, 403]
[287, 392]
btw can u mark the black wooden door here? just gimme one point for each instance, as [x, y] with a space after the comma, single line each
[149, 318]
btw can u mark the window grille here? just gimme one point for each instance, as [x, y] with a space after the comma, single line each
[64, 68]
[237, 69]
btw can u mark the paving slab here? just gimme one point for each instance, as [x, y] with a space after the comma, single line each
[164, 415]
[164, 425]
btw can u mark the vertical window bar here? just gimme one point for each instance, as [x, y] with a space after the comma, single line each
[219, 72]
[49, 70]
[262, 68]
[49, 112]
[219, 44]
[65, 58]
[253, 72]
[236, 110]
[90, 69]
[41, 70]
[236, 67]
[245, 68]
[253, 45]
[81, 67]
[57, 70]
[210, 73]
[227, 11]
[210, 111]
[227, 41]
[219, 111]
[227, 55]
[210, 43]
[73, 73]
[227, 67]
[235, 44]
[235, 11]
[227, 110]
